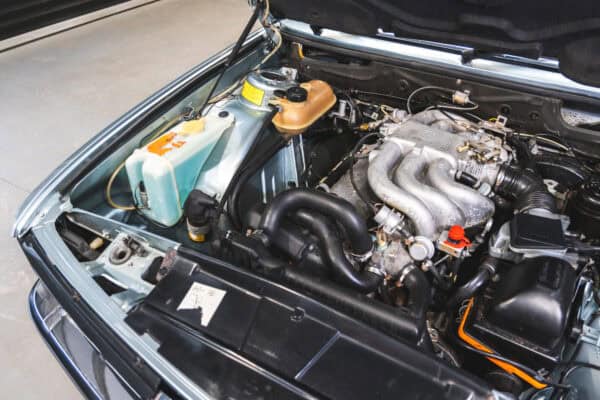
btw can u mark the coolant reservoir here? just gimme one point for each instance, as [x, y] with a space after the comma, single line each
[302, 106]
[163, 173]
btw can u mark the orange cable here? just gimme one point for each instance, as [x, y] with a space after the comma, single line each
[511, 369]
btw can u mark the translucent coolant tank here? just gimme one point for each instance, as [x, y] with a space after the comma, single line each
[163, 173]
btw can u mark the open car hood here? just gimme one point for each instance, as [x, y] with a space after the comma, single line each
[566, 30]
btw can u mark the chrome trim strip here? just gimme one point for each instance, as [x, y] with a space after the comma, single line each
[66, 362]
[537, 77]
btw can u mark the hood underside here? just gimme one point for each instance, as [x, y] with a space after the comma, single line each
[567, 31]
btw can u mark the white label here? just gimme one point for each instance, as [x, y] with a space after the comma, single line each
[204, 297]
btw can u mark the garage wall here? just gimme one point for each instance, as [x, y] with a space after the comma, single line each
[20, 16]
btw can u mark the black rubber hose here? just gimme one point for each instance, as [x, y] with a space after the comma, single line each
[486, 270]
[333, 252]
[78, 244]
[248, 159]
[355, 227]
[419, 290]
[393, 321]
[265, 153]
[260, 257]
[526, 160]
[525, 188]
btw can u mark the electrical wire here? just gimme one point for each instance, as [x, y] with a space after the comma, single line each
[353, 159]
[277, 46]
[108, 190]
[421, 89]
[524, 368]
[457, 108]
[545, 140]
[367, 93]
[226, 92]
[512, 367]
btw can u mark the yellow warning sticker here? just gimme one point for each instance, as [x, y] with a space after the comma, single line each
[252, 93]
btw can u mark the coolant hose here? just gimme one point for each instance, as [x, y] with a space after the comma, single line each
[525, 188]
[486, 270]
[259, 158]
[333, 252]
[354, 226]
[419, 290]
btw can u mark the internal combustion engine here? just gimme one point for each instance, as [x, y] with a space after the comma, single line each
[450, 229]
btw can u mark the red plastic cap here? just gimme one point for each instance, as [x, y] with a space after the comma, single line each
[456, 233]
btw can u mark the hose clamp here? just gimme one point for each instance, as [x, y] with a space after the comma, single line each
[407, 269]
[363, 257]
[499, 178]
[490, 266]
[375, 270]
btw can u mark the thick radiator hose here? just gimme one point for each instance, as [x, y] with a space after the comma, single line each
[419, 290]
[486, 270]
[333, 252]
[288, 202]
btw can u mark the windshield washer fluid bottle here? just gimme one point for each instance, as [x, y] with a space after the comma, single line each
[163, 173]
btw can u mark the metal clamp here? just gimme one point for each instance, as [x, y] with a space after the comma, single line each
[407, 269]
[375, 270]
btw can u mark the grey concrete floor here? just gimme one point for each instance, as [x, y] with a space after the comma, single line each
[55, 94]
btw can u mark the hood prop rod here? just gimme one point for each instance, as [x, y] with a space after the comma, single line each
[232, 56]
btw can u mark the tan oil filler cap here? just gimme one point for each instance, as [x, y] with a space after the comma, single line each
[302, 106]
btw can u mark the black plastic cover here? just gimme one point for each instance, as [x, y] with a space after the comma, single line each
[528, 231]
[584, 209]
[273, 333]
[566, 30]
[526, 313]
[199, 207]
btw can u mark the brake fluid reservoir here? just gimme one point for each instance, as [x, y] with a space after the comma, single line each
[163, 173]
[302, 106]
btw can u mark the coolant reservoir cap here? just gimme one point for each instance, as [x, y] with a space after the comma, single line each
[296, 94]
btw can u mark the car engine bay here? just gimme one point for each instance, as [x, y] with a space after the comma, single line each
[443, 213]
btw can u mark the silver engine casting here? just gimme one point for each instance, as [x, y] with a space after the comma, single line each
[414, 171]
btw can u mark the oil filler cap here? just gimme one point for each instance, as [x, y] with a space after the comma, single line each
[296, 94]
[456, 234]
